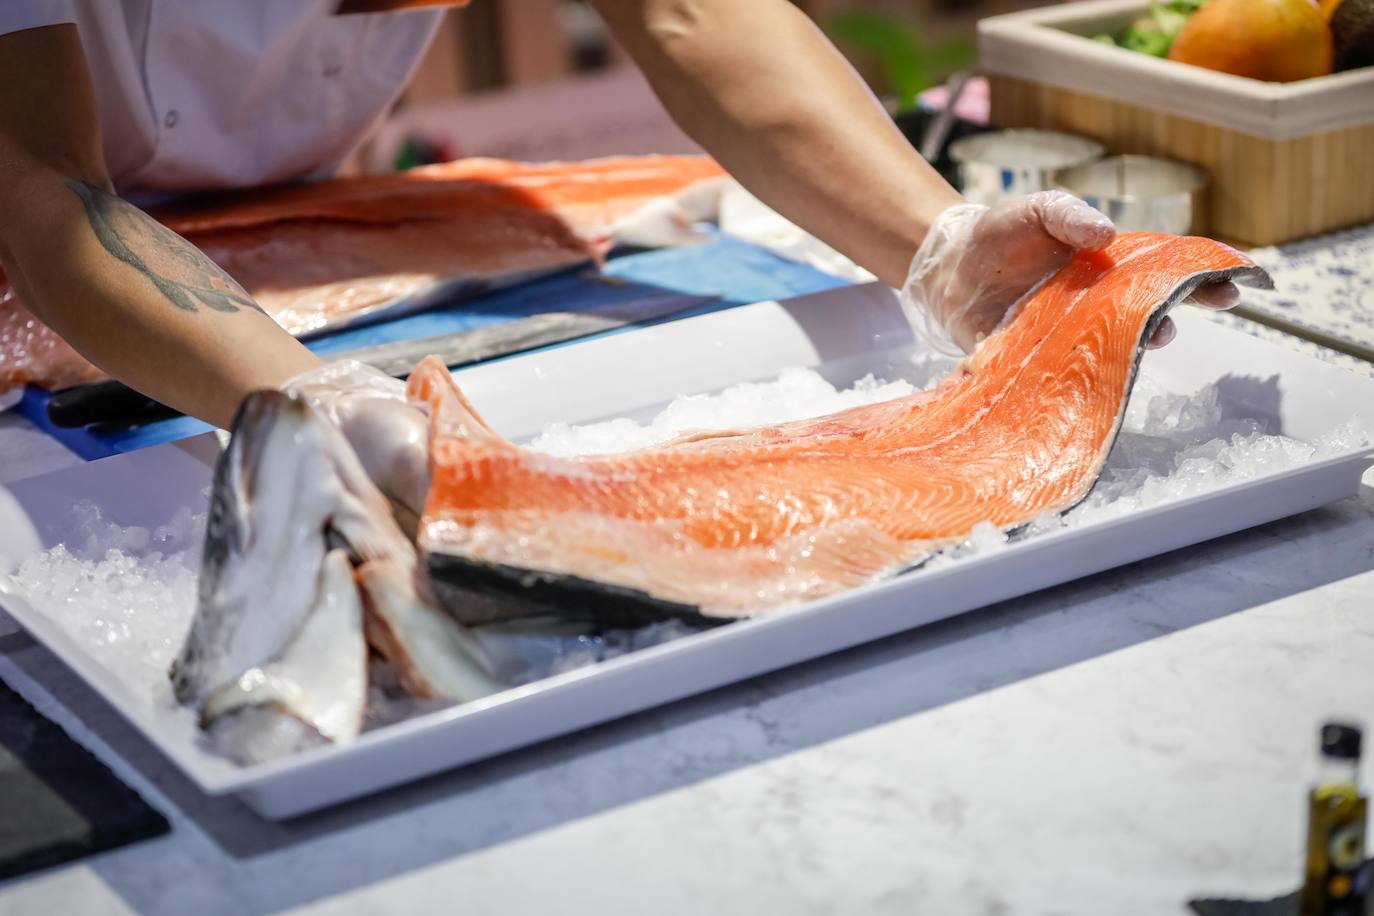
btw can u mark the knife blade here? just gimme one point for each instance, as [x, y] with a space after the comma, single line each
[465, 348]
[112, 402]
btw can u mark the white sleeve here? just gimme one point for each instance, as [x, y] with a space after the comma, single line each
[18, 15]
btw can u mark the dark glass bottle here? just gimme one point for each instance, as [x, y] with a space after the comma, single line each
[1336, 814]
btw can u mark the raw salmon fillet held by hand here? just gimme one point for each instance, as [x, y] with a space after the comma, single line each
[721, 525]
[320, 256]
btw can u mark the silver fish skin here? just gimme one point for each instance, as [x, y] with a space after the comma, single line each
[314, 692]
[305, 567]
[287, 490]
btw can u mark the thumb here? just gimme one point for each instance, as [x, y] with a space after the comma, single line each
[1071, 221]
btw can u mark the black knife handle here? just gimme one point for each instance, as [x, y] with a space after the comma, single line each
[102, 401]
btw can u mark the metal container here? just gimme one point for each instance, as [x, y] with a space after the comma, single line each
[1009, 163]
[1141, 193]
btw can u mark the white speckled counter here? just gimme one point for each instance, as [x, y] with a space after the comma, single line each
[1106, 747]
[1322, 286]
[1111, 746]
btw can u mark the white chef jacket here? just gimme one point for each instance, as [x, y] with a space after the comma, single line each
[203, 94]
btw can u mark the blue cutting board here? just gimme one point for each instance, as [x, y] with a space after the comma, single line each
[736, 271]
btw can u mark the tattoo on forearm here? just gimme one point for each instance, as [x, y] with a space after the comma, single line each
[178, 269]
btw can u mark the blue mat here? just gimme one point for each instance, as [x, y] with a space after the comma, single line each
[736, 271]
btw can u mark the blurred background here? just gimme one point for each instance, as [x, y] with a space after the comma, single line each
[542, 79]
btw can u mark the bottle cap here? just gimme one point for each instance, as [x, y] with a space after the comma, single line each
[1341, 741]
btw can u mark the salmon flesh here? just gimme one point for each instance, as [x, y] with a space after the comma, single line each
[716, 526]
[321, 256]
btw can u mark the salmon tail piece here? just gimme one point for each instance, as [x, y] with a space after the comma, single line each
[722, 527]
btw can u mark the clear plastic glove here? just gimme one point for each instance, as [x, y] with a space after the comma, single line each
[977, 262]
[389, 434]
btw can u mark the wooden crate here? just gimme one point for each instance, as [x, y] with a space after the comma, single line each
[1286, 159]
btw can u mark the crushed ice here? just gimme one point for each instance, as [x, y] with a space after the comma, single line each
[794, 395]
[128, 593]
[1170, 446]
[125, 592]
[1173, 446]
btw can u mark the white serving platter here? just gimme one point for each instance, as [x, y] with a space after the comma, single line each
[844, 334]
[1046, 45]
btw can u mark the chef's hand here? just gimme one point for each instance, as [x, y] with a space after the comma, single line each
[977, 262]
[389, 434]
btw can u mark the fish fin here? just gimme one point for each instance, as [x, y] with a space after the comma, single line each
[451, 413]
[434, 655]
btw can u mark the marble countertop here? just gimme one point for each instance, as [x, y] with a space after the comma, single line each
[1116, 746]
[1322, 285]
[1110, 746]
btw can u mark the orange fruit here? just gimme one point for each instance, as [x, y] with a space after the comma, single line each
[1329, 7]
[1273, 40]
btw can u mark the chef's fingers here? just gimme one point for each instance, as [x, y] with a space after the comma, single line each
[1071, 221]
[1219, 296]
[1166, 332]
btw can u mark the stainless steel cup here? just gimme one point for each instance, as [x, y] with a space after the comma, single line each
[1008, 163]
[1142, 193]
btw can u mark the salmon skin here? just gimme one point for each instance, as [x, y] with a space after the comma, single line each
[724, 525]
[322, 256]
[523, 592]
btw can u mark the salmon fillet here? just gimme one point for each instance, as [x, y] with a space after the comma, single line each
[31, 354]
[713, 526]
[318, 256]
[617, 185]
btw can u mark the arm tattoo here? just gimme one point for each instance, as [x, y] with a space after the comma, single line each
[178, 269]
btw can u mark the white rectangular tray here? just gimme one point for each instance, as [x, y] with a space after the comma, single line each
[842, 333]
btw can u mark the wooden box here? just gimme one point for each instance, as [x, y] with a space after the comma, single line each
[1286, 159]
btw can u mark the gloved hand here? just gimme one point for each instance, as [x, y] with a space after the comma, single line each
[977, 262]
[389, 434]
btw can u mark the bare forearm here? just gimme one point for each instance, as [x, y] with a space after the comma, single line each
[765, 93]
[137, 300]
